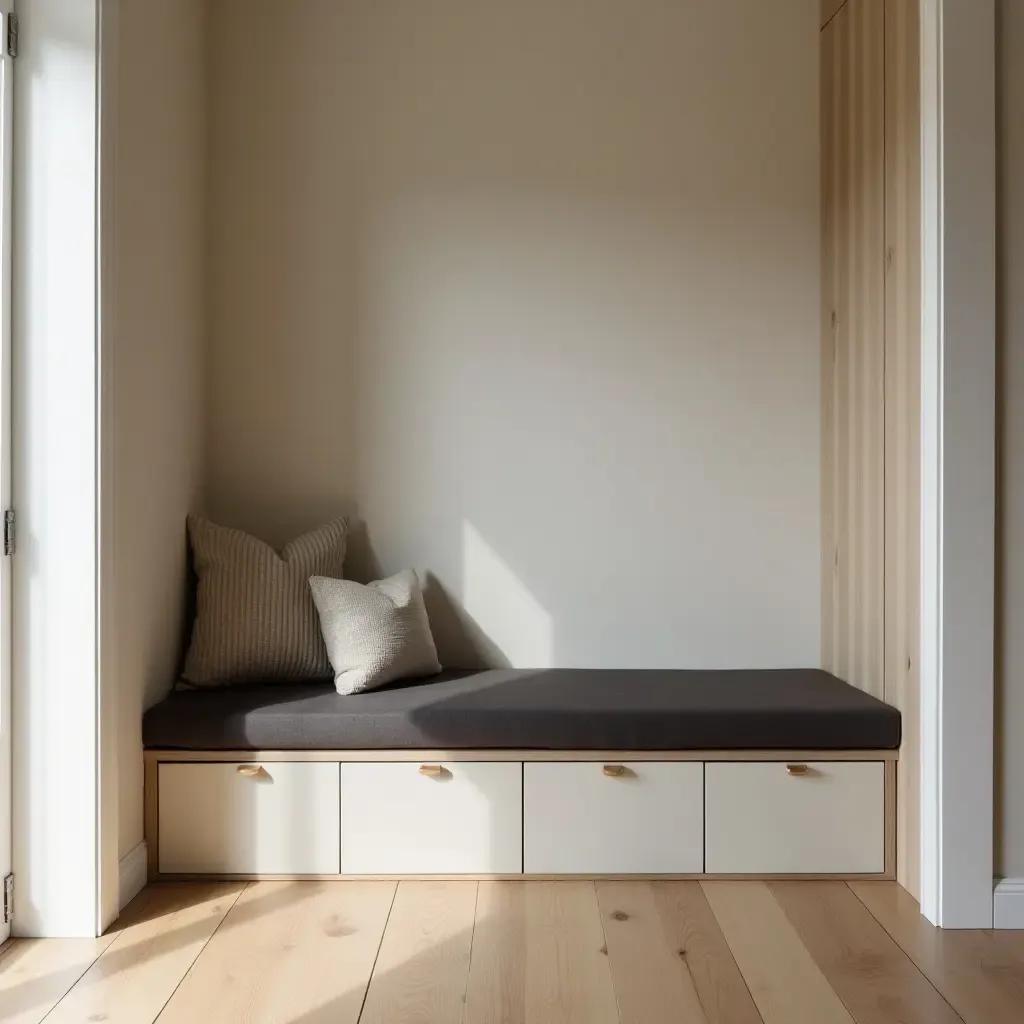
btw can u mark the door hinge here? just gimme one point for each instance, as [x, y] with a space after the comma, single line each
[8, 899]
[9, 532]
[12, 35]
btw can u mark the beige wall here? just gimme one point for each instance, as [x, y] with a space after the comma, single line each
[160, 173]
[1010, 221]
[532, 289]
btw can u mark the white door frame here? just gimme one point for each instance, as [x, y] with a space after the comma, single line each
[65, 692]
[958, 461]
[6, 162]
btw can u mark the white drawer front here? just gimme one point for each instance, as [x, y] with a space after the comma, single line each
[647, 820]
[763, 820]
[283, 820]
[399, 821]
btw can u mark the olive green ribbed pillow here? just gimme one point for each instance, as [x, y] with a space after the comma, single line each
[255, 617]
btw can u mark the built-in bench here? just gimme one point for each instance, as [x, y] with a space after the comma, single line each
[508, 772]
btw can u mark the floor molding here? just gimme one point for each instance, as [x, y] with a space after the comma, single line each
[132, 870]
[1009, 903]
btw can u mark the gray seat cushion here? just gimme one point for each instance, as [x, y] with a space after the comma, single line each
[544, 709]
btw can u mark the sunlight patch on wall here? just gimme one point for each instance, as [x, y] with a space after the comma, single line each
[502, 606]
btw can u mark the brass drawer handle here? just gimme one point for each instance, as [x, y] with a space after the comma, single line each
[431, 770]
[614, 771]
[797, 769]
[250, 771]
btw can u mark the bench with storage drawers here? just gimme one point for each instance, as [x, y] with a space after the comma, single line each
[573, 773]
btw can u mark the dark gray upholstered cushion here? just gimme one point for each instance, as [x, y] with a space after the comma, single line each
[544, 709]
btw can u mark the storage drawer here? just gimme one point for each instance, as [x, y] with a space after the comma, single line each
[404, 818]
[819, 818]
[640, 817]
[278, 818]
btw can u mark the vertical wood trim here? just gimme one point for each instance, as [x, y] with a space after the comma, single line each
[853, 343]
[829, 9]
[892, 804]
[903, 408]
[151, 802]
[829, 276]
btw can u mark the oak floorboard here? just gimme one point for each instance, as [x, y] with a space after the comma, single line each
[422, 970]
[693, 932]
[876, 980]
[138, 972]
[651, 980]
[496, 993]
[35, 974]
[568, 978]
[978, 977]
[300, 952]
[785, 982]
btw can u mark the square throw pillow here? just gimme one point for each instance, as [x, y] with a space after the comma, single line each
[376, 633]
[255, 618]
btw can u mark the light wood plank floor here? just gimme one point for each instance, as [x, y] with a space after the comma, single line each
[519, 953]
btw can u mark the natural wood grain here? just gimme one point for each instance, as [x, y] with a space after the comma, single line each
[422, 969]
[1011, 941]
[786, 984]
[35, 974]
[151, 815]
[568, 977]
[979, 978]
[853, 344]
[137, 973]
[760, 876]
[891, 837]
[497, 972]
[829, 8]
[248, 756]
[690, 928]
[871, 366]
[875, 979]
[297, 952]
[903, 405]
[521, 953]
[829, 130]
[652, 983]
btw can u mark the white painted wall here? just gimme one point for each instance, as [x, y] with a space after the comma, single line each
[160, 172]
[532, 289]
[1010, 221]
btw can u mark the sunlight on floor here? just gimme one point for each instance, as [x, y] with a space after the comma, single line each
[525, 952]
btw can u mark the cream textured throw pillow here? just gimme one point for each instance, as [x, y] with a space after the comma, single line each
[255, 619]
[375, 634]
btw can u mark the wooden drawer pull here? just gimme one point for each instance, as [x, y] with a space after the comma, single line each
[250, 771]
[432, 770]
[614, 770]
[797, 769]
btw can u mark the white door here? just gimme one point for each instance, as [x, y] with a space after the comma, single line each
[6, 110]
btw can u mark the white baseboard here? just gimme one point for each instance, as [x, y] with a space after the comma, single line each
[132, 874]
[1009, 903]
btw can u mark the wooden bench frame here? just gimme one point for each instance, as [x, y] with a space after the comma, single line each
[155, 757]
